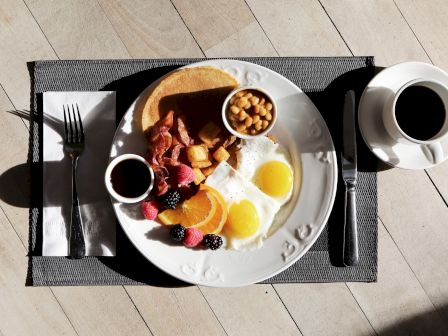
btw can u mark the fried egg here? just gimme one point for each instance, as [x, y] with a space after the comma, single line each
[250, 211]
[268, 166]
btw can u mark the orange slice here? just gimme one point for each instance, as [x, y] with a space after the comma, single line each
[216, 223]
[196, 211]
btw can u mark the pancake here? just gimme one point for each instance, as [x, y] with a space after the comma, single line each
[195, 93]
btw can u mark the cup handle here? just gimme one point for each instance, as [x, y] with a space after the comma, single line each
[436, 152]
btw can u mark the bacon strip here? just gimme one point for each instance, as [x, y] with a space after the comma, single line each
[175, 151]
[182, 132]
[160, 138]
[161, 174]
[165, 146]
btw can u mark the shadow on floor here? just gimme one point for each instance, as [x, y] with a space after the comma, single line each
[431, 323]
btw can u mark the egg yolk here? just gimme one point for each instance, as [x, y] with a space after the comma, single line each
[242, 220]
[274, 178]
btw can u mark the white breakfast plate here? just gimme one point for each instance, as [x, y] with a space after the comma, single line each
[302, 129]
[377, 92]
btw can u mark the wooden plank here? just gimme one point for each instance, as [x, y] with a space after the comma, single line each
[237, 310]
[439, 176]
[397, 302]
[298, 28]
[211, 22]
[101, 310]
[416, 217]
[171, 311]
[124, 317]
[24, 310]
[324, 309]
[250, 310]
[77, 29]
[249, 41]
[21, 41]
[375, 28]
[151, 28]
[14, 172]
[13, 143]
[86, 319]
[408, 201]
[428, 21]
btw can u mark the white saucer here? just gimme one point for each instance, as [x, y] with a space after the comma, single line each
[386, 83]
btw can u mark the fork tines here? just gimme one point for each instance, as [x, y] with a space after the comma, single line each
[78, 135]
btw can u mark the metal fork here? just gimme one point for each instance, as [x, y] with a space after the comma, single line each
[74, 146]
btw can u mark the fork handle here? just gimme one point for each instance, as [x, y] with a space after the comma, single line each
[77, 246]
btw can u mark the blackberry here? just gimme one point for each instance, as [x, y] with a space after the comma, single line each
[177, 232]
[213, 242]
[170, 199]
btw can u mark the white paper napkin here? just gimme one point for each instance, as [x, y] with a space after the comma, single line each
[97, 111]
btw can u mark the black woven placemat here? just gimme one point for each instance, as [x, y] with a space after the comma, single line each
[325, 80]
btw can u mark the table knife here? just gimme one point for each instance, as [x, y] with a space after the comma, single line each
[349, 175]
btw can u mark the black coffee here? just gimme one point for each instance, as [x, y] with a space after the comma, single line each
[130, 178]
[420, 112]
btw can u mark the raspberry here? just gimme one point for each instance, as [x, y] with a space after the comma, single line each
[182, 174]
[193, 237]
[170, 199]
[150, 209]
[177, 232]
[213, 242]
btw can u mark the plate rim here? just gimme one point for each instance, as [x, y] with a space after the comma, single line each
[331, 200]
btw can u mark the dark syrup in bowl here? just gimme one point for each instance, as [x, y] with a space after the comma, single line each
[130, 178]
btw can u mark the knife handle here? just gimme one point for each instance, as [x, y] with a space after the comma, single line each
[351, 256]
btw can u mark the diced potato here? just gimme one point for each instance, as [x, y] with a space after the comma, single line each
[209, 170]
[201, 164]
[221, 154]
[199, 176]
[209, 133]
[197, 153]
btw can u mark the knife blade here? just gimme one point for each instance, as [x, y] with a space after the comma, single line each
[350, 176]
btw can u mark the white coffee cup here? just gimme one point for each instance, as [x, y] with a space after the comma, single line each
[108, 178]
[432, 147]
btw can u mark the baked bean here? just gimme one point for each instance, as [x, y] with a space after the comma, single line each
[268, 116]
[239, 94]
[264, 124]
[233, 117]
[247, 106]
[262, 111]
[248, 95]
[241, 102]
[248, 121]
[268, 106]
[254, 100]
[256, 117]
[242, 115]
[253, 131]
[241, 127]
[258, 125]
[262, 101]
[257, 108]
[234, 109]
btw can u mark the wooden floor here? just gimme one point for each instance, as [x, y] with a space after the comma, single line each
[411, 295]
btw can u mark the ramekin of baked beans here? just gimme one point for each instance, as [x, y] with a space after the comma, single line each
[249, 112]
